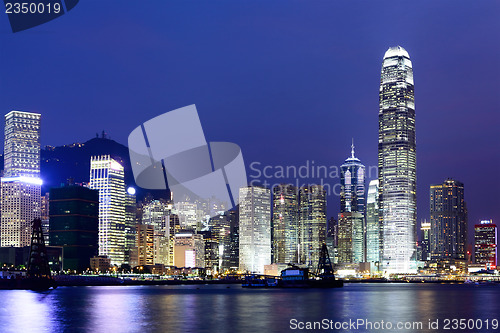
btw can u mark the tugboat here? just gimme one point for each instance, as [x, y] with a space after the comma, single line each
[297, 277]
[38, 276]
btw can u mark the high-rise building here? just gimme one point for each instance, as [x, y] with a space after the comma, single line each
[145, 244]
[231, 243]
[346, 222]
[189, 250]
[448, 234]
[285, 224]
[352, 181]
[211, 251]
[425, 241]
[21, 184]
[22, 144]
[312, 210]
[332, 238]
[218, 241]
[44, 216]
[130, 254]
[189, 214]
[485, 244]
[107, 176]
[352, 211]
[374, 230]
[397, 162]
[173, 224]
[157, 213]
[74, 224]
[254, 228]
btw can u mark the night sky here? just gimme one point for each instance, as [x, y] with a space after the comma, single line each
[288, 81]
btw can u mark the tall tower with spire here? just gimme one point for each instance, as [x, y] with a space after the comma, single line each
[352, 195]
[351, 242]
[397, 163]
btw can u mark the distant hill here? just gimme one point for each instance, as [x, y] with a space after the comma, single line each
[58, 164]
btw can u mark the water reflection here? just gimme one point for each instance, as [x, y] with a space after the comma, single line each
[26, 311]
[233, 309]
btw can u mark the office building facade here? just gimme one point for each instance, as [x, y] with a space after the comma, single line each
[107, 176]
[486, 244]
[448, 235]
[21, 184]
[130, 249]
[189, 250]
[425, 241]
[74, 224]
[374, 230]
[254, 229]
[312, 234]
[352, 211]
[397, 162]
[285, 224]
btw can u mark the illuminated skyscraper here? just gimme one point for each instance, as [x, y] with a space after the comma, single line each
[107, 176]
[486, 244]
[374, 231]
[157, 213]
[352, 181]
[44, 216]
[352, 211]
[254, 228]
[130, 227]
[448, 236]
[312, 210]
[425, 241]
[22, 144]
[285, 224]
[21, 184]
[397, 162]
[145, 244]
[332, 239]
[224, 232]
[230, 251]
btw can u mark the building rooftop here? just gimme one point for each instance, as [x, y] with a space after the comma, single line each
[396, 51]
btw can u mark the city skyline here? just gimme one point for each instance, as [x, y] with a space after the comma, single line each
[307, 150]
[395, 52]
[258, 75]
[240, 166]
[261, 234]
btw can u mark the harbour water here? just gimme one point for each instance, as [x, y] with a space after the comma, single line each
[230, 308]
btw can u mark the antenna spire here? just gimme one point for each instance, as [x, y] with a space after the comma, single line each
[352, 148]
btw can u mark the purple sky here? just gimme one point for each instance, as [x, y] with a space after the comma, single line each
[288, 81]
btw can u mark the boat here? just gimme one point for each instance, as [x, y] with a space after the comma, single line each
[299, 277]
[260, 281]
[296, 277]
